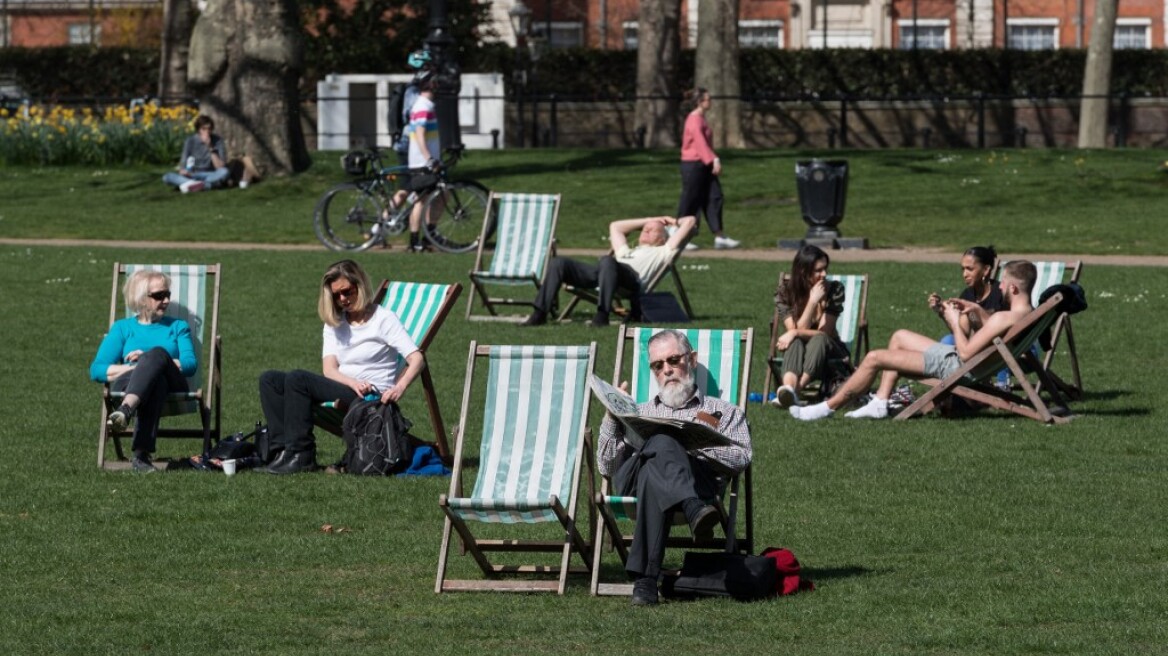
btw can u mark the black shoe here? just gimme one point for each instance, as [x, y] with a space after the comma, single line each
[120, 418]
[537, 318]
[702, 522]
[293, 462]
[599, 321]
[645, 591]
[142, 464]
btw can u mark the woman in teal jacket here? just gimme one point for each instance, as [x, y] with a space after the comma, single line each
[147, 356]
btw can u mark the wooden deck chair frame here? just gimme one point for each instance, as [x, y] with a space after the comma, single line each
[516, 260]
[592, 295]
[518, 410]
[1055, 273]
[739, 489]
[857, 346]
[204, 397]
[422, 309]
[973, 380]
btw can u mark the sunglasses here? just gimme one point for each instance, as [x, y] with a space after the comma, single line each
[673, 360]
[160, 296]
[345, 293]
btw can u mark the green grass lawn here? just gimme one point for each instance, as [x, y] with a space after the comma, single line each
[984, 535]
[1046, 201]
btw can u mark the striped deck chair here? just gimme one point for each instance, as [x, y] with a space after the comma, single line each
[195, 299]
[525, 241]
[422, 308]
[529, 461]
[974, 379]
[592, 295]
[852, 327]
[723, 371]
[1050, 274]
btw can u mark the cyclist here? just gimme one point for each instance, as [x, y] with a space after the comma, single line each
[420, 61]
[424, 150]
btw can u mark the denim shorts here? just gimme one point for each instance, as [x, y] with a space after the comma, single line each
[941, 360]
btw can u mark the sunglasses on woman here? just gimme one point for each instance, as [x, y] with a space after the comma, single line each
[160, 296]
[673, 360]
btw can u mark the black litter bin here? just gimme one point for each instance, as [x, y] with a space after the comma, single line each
[823, 190]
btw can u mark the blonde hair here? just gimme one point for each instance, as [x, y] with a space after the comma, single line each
[137, 288]
[327, 307]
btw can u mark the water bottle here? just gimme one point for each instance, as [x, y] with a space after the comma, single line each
[754, 397]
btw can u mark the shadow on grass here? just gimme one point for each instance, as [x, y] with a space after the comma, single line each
[818, 574]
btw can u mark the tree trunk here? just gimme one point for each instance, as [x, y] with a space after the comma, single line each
[658, 52]
[176, 38]
[1097, 77]
[245, 65]
[716, 69]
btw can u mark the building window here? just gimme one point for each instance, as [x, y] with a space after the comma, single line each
[1033, 33]
[629, 31]
[1133, 33]
[760, 34]
[564, 34]
[83, 34]
[931, 34]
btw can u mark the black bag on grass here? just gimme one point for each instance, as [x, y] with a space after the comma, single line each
[720, 574]
[376, 439]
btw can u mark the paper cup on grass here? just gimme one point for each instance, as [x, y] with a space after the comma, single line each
[229, 467]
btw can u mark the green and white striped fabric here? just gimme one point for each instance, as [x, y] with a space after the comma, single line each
[523, 235]
[719, 363]
[536, 405]
[1049, 274]
[416, 304]
[848, 323]
[188, 301]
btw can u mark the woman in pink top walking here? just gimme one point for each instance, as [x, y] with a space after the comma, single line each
[700, 168]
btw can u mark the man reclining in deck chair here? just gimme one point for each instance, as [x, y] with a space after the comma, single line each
[627, 269]
[916, 355]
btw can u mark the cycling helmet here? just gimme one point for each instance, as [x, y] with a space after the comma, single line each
[419, 59]
[423, 78]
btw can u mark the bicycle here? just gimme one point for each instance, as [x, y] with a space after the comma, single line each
[355, 216]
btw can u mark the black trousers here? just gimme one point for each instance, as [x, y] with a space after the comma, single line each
[701, 192]
[287, 399]
[608, 275]
[152, 379]
[661, 476]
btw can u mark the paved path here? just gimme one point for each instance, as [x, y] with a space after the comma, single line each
[772, 255]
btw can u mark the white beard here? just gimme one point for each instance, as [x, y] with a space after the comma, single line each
[675, 394]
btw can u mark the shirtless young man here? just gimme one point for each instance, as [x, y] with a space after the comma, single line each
[916, 355]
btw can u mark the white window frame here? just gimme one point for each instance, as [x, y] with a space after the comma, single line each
[905, 25]
[1052, 23]
[1145, 23]
[574, 28]
[776, 25]
[78, 32]
[626, 27]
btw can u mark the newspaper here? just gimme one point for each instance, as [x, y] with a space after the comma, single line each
[692, 435]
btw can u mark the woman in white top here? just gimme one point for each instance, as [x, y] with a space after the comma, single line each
[364, 345]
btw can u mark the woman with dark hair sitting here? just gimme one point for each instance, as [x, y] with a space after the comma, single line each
[363, 343]
[809, 305]
[147, 356]
[981, 290]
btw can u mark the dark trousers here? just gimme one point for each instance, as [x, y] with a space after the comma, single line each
[608, 275]
[661, 476]
[701, 192]
[287, 399]
[152, 379]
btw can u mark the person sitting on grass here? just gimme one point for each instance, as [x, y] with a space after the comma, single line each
[914, 354]
[203, 164]
[627, 269]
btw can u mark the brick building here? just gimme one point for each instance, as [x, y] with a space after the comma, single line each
[46, 23]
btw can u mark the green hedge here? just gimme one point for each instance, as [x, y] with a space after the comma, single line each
[48, 74]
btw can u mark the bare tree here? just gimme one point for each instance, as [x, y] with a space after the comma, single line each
[716, 68]
[658, 52]
[245, 64]
[176, 39]
[1097, 77]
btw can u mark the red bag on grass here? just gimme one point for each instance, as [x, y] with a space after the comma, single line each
[787, 581]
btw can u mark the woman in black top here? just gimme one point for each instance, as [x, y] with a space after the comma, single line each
[981, 295]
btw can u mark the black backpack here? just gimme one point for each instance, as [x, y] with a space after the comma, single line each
[397, 109]
[376, 439]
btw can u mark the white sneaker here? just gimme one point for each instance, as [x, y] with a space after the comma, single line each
[243, 184]
[191, 185]
[725, 243]
[785, 397]
[691, 246]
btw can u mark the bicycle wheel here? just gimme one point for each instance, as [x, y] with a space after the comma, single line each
[346, 218]
[458, 210]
